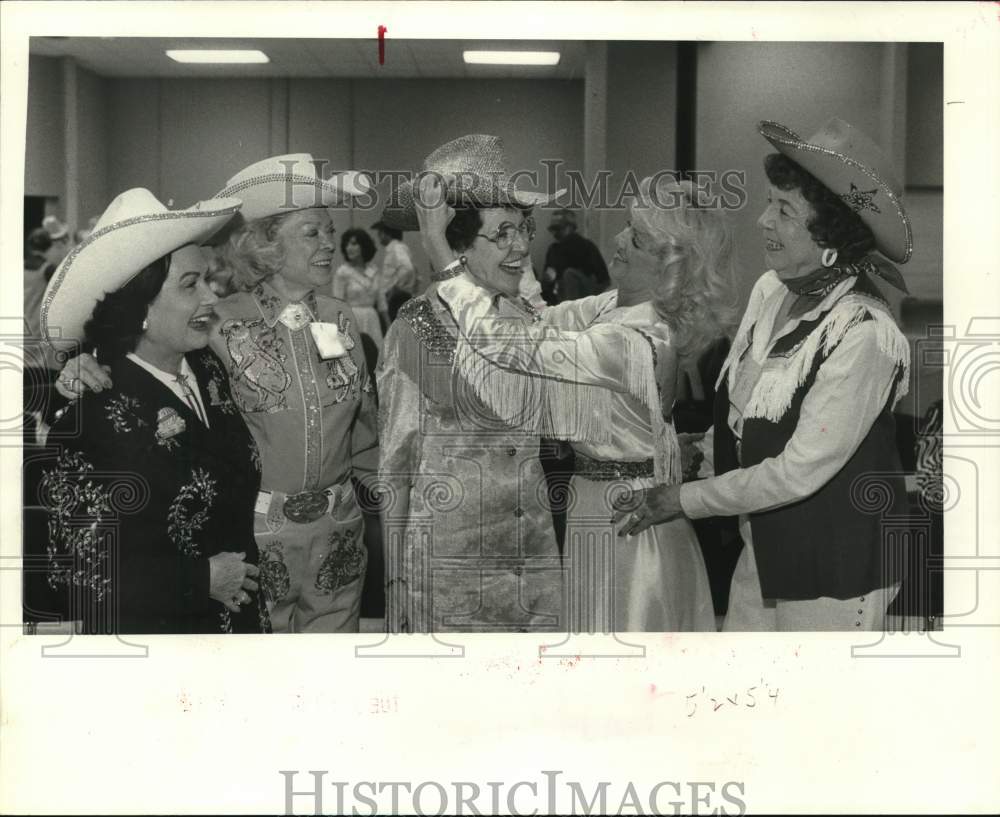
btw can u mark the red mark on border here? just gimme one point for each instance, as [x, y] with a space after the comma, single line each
[381, 44]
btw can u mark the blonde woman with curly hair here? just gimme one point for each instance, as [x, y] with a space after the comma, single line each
[600, 372]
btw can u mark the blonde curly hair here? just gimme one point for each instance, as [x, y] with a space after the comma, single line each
[696, 295]
[252, 253]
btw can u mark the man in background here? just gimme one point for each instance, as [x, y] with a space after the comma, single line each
[399, 276]
[574, 267]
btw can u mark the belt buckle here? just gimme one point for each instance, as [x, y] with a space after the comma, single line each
[306, 506]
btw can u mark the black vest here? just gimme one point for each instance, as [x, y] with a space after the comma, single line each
[830, 543]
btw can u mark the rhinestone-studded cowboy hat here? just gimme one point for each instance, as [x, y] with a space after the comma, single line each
[856, 170]
[474, 172]
[281, 184]
[134, 231]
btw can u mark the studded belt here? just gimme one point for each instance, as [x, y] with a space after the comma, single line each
[602, 470]
[305, 506]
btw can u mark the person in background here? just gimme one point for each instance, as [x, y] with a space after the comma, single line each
[59, 233]
[804, 404]
[399, 276]
[358, 282]
[574, 266]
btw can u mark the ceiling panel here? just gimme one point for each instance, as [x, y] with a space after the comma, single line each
[145, 57]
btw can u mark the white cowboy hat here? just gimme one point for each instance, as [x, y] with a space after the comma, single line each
[134, 231]
[474, 171]
[280, 184]
[856, 170]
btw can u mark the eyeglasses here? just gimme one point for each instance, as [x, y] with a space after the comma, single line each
[507, 232]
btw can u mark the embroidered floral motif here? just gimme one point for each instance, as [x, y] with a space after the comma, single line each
[263, 616]
[257, 371]
[168, 425]
[123, 412]
[182, 524]
[73, 498]
[274, 580]
[270, 304]
[343, 375]
[225, 621]
[343, 564]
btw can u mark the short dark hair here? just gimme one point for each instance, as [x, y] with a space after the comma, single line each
[392, 232]
[835, 225]
[364, 241]
[465, 226]
[115, 325]
[38, 241]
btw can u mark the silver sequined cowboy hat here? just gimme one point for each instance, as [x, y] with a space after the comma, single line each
[135, 230]
[855, 169]
[475, 173]
[280, 184]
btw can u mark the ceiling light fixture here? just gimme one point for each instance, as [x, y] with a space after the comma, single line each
[511, 57]
[203, 56]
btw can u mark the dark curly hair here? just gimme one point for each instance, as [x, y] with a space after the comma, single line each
[115, 326]
[364, 241]
[465, 226]
[835, 225]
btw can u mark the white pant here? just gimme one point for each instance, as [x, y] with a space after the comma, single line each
[750, 612]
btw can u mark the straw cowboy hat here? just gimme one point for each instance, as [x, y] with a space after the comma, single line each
[474, 172]
[281, 184]
[855, 169]
[134, 231]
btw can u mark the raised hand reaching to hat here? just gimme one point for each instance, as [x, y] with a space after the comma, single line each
[434, 214]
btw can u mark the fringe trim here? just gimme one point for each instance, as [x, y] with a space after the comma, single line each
[772, 396]
[525, 396]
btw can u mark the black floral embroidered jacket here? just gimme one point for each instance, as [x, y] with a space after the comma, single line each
[141, 499]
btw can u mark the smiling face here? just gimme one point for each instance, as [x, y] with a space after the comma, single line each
[635, 268]
[499, 269]
[181, 316]
[307, 241]
[352, 250]
[789, 247]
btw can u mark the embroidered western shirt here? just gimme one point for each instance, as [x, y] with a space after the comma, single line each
[313, 419]
[172, 382]
[851, 389]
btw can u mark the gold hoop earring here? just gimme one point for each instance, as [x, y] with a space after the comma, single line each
[829, 257]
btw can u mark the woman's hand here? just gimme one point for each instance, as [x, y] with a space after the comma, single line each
[645, 508]
[81, 373]
[691, 455]
[434, 214]
[231, 580]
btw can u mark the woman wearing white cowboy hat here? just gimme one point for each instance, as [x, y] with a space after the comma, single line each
[804, 431]
[601, 372]
[151, 498]
[300, 381]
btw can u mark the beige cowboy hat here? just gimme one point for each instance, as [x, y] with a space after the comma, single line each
[134, 231]
[856, 170]
[474, 171]
[280, 184]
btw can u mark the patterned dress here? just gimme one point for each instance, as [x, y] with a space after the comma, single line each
[313, 419]
[142, 495]
[468, 531]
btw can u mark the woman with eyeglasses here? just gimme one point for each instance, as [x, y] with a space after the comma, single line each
[469, 538]
[600, 373]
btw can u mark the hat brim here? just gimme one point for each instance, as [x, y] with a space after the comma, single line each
[402, 214]
[274, 194]
[889, 224]
[111, 257]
